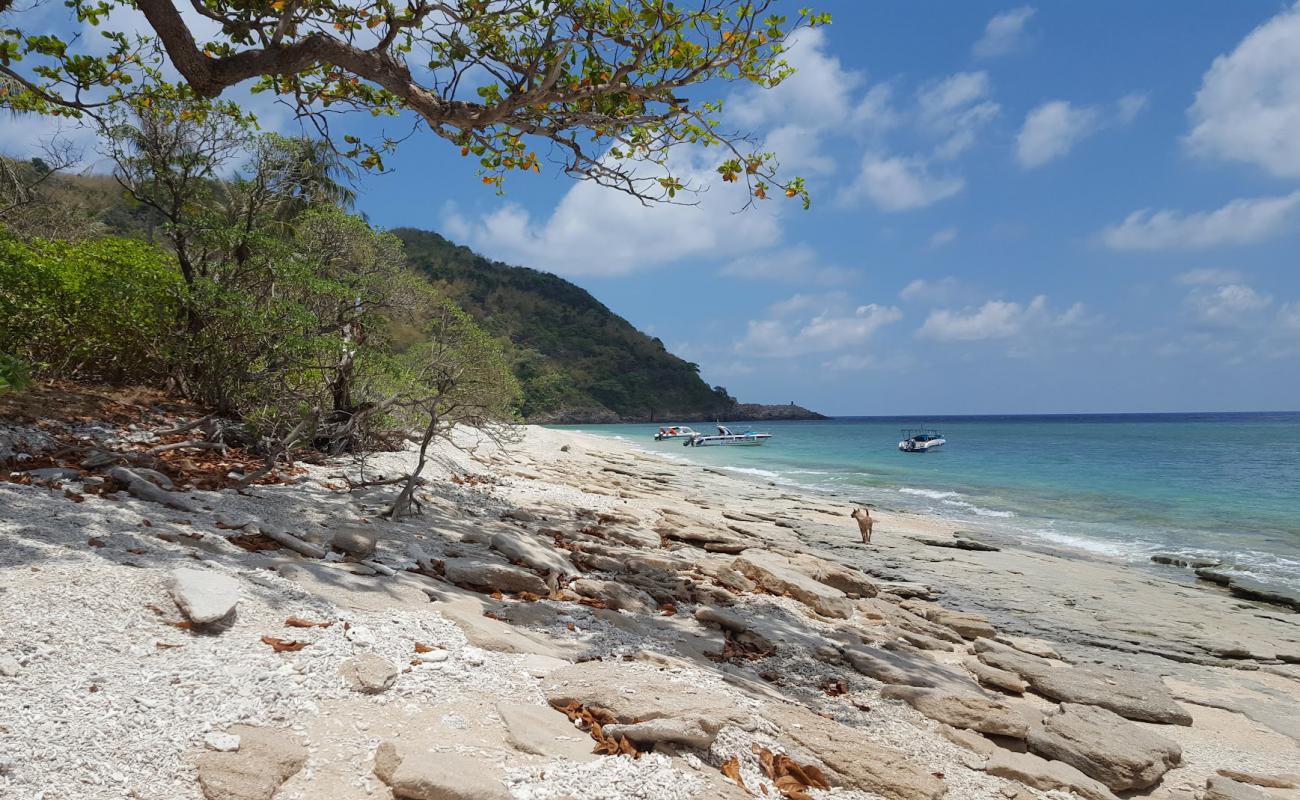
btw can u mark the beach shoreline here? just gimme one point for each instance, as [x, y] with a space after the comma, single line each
[608, 571]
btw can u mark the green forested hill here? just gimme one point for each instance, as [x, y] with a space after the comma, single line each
[576, 359]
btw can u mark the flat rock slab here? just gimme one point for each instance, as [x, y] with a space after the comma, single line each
[615, 595]
[779, 576]
[854, 761]
[962, 710]
[437, 776]
[535, 552]
[995, 678]
[204, 596]
[266, 759]
[492, 576]
[1130, 694]
[637, 693]
[355, 540]
[1220, 788]
[1105, 746]
[543, 731]
[1039, 773]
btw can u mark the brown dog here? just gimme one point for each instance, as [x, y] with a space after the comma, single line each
[865, 523]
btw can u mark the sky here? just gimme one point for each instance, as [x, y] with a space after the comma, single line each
[1016, 209]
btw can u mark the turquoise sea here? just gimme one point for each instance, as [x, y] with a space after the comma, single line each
[1121, 486]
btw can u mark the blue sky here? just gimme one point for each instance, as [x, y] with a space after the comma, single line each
[1017, 208]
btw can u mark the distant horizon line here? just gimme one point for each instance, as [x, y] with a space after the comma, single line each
[952, 415]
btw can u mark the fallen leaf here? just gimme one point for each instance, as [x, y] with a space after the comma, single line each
[299, 622]
[73, 496]
[731, 768]
[284, 645]
[165, 645]
[95, 542]
[423, 648]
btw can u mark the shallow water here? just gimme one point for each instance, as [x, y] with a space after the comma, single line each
[1123, 486]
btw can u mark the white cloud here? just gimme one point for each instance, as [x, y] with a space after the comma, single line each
[1229, 306]
[996, 319]
[954, 110]
[791, 331]
[599, 231]
[1288, 317]
[900, 184]
[1053, 129]
[943, 237]
[819, 94]
[1208, 277]
[797, 264]
[1248, 106]
[1242, 221]
[943, 290]
[1004, 33]
[850, 362]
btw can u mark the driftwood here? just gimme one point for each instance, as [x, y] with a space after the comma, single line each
[377, 567]
[143, 489]
[292, 542]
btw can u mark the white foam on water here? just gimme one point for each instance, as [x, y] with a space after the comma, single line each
[930, 493]
[762, 473]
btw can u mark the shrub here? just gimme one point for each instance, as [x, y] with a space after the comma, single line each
[98, 309]
[14, 373]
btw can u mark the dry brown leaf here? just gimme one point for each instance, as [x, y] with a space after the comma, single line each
[299, 622]
[95, 542]
[73, 496]
[165, 645]
[529, 597]
[668, 609]
[731, 768]
[284, 645]
[423, 648]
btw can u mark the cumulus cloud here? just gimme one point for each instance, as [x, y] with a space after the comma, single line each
[1053, 129]
[1228, 306]
[794, 328]
[797, 264]
[1248, 106]
[1242, 221]
[597, 231]
[1004, 33]
[898, 183]
[996, 319]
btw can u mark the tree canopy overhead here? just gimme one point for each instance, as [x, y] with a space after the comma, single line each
[602, 88]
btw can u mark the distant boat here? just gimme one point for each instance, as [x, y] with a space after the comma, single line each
[675, 432]
[921, 440]
[725, 436]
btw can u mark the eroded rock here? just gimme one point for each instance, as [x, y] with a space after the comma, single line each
[354, 540]
[1218, 787]
[1039, 773]
[266, 758]
[369, 673]
[778, 576]
[615, 595]
[962, 710]
[204, 596]
[995, 678]
[536, 553]
[1104, 746]
[490, 576]
[443, 775]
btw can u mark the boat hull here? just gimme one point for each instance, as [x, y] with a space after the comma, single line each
[920, 447]
[727, 441]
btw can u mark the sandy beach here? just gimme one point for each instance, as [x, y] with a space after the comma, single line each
[726, 636]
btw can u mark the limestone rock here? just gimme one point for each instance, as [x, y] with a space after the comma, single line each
[356, 541]
[962, 710]
[543, 731]
[1218, 787]
[615, 595]
[204, 596]
[266, 759]
[1283, 781]
[634, 693]
[436, 776]
[369, 673]
[970, 740]
[1130, 694]
[855, 761]
[221, 742]
[1105, 746]
[492, 576]
[778, 576]
[1039, 773]
[535, 552]
[995, 678]
[723, 619]
[1034, 647]
[695, 733]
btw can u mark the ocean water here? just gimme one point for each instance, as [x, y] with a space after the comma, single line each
[1120, 486]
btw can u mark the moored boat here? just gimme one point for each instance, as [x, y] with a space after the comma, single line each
[676, 432]
[725, 436]
[921, 440]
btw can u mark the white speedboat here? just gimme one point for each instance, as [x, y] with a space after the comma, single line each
[676, 432]
[725, 436]
[921, 440]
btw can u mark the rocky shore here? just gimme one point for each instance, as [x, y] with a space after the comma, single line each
[572, 618]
